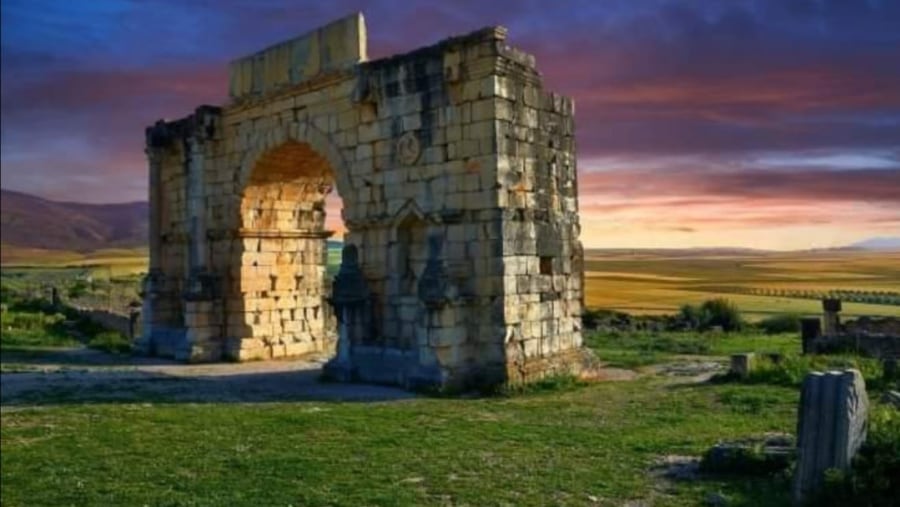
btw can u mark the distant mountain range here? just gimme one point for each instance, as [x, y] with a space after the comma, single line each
[882, 243]
[27, 221]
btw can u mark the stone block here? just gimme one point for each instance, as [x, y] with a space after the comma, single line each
[742, 365]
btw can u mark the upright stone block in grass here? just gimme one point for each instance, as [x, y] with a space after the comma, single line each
[742, 364]
[831, 427]
[810, 331]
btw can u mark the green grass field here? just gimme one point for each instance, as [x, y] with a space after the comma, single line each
[579, 444]
[563, 443]
[593, 445]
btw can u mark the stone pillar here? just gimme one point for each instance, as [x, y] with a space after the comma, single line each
[742, 365]
[831, 427]
[810, 331]
[155, 226]
[152, 285]
[352, 300]
[203, 306]
[196, 200]
[832, 321]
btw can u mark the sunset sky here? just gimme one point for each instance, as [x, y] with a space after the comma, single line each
[766, 124]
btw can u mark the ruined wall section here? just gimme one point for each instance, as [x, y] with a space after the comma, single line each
[168, 268]
[426, 212]
[542, 254]
[178, 249]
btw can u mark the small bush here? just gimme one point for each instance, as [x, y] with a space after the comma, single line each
[873, 478]
[590, 318]
[720, 313]
[782, 323]
[690, 315]
[78, 289]
[33, 329]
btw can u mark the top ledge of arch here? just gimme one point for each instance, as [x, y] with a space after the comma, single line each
[336, 46]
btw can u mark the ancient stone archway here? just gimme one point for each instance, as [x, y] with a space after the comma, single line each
[279, 298]
[457, 175]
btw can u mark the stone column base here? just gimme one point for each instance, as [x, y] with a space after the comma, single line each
[206, 352]
[577, 362]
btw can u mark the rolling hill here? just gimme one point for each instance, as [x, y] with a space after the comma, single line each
[881, 243]
[28, 222]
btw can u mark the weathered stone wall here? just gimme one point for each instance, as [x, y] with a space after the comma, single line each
[538, 194]
[457, 175]
[870, 336]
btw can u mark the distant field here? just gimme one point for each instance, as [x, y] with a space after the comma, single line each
[760, 283]
[639, 281]
[118, 261]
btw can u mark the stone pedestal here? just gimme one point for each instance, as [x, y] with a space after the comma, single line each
[832, 320]
[742, 365]
[810, 331]
[831, 427]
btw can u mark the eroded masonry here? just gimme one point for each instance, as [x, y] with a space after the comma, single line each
[461, 262]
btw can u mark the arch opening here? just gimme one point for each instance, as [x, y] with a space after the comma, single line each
[283, 281]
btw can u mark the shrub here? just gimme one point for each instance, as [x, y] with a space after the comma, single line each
[590, 318]
[690, 315]
[873, 478]
[78, 289]
[781, 323]
[22, 328]
[720, 312]
[713, 313]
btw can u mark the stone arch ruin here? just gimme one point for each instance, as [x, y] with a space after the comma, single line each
[461, 261]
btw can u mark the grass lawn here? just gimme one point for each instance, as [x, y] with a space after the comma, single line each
[636, 349]
[588, 445]
[582, 444]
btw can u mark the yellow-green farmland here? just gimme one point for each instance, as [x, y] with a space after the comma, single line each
[649, 282]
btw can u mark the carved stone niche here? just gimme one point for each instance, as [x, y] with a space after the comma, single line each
[435, 287]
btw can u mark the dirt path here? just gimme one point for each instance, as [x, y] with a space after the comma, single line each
[84, 375]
